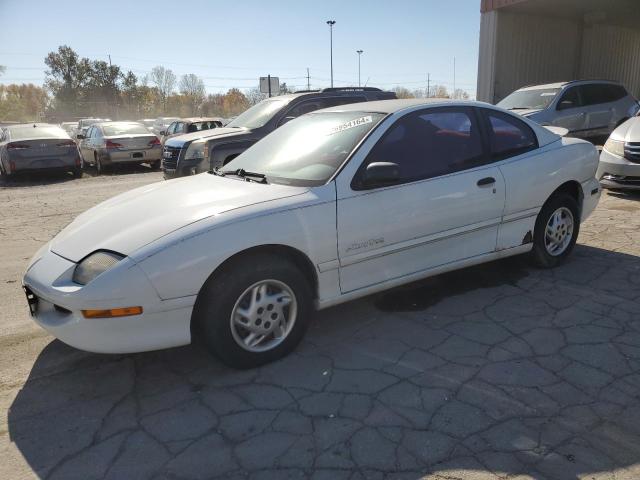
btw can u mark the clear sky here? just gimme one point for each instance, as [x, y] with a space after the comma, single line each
[231, 43]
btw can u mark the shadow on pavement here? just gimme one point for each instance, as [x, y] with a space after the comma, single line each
[537, 374]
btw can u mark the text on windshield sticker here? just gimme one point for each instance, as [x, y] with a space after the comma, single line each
[356, 122]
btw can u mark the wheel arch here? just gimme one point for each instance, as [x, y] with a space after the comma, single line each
[297, 257]
[572, 188]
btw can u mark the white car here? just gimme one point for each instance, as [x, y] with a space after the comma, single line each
[620, 158]
[335, 205]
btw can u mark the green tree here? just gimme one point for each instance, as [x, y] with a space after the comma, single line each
[66, 78]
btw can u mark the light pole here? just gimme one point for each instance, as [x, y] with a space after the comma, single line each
[331, 23]
[359, 52]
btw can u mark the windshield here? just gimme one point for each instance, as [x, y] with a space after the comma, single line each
[124, 129]
[534, 99]
[259, 114]
[20, 133]
[307, 151]
[88, 121]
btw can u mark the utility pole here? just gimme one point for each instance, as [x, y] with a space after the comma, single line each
[359, 52]
[109, 60]
[428, 85]
[454, 78]
[308, 80]
[331, 23]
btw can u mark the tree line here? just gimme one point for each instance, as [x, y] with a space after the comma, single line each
[77, 87]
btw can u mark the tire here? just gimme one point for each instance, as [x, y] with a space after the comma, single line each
[98, 164]
[77, 172]
[155, 165]
[550, 251]
[232, 289]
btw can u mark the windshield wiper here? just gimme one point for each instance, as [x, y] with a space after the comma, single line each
[241, 172]
[217, 171]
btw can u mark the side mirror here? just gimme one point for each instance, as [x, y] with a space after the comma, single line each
[163, 132]
[80, 136]
[379, 174]
[563, 105]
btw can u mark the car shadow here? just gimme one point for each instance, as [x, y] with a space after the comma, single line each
[32, 179]
[512, 370]
[625, 194]
[123, 169]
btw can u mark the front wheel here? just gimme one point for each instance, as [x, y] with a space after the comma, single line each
[253, 312]
[556, 231]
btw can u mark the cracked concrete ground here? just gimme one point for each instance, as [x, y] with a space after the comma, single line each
[498, 371]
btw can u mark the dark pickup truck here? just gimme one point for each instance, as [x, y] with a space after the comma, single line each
[200, 151]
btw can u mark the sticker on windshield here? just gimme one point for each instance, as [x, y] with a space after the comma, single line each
[548, 94]
[356, 122]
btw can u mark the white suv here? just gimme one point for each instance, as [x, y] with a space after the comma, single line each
[587, 108]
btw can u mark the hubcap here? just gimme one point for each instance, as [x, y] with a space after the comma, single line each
[559, 231]
[264, 315]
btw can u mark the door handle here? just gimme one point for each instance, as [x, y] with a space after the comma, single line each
[486, 181]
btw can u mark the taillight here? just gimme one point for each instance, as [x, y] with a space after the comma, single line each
[78, 162]
[12, 166]
[110, 144]
[154, 142]
[16, 146]
[66, 143]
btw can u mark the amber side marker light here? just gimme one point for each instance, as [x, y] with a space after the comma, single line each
[113, 312]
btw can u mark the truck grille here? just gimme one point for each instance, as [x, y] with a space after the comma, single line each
[632, 151]
[170, 157]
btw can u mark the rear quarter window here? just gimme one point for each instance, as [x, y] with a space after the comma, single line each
[508, 135]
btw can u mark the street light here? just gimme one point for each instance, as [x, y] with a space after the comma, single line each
[359, 52]
[331, 23]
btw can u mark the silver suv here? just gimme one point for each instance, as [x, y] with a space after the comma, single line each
[587, 108]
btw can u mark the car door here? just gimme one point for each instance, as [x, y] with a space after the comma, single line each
[570, 113]
[599, 107]
[84, 147]
[446, 207]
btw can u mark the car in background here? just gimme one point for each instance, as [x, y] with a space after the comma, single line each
[38, 147]
[587, 108]
[70, 128]
[619, 165]
[190, 125]
[198, 152]
[333, 206]
[112, 143]
[147, 122]
[162, 123]
[85, 123]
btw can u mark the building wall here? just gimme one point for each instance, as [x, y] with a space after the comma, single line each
[520, 49]
[612, 52]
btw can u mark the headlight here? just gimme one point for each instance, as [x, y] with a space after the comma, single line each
[615, 147]
[94, 265]
[195, 150]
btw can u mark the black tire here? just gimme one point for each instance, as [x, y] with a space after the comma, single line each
[211, 322]
[155, 165]
[77, 172]
[98, 164]
[539, 254]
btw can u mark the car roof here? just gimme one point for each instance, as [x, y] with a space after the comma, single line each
[32, 125]
[199, 119]
[570, 82]
[392, 106]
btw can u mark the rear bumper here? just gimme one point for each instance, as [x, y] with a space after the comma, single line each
[618, 172]
[111, 157]
[42, 165]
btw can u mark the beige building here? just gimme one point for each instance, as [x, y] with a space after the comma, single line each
[524, 42]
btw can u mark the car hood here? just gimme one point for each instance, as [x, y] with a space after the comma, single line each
[136, 218]
[180, 140]
[525, 112]
[629, 131]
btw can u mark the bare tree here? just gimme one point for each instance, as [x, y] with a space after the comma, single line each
[165, 81]
[403, 92]
[255, 96]
[460, 94]
[439, 91]
[2, 69]
[192, 87]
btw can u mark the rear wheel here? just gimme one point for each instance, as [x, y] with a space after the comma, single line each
[98, 164]
[253, 312]
[556, 230]
[77, 172]
[155, 165]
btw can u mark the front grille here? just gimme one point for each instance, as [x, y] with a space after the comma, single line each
[170, 157]
[632, 151]
[622, 180]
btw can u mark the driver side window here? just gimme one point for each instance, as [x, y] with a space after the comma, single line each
[569, 99]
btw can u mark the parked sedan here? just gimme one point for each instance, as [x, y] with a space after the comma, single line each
[37, 146]
[332, 206]
[111, 143]
[85, 123]
[620, 158]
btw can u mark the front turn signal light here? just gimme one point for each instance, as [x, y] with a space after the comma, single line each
[113, 312]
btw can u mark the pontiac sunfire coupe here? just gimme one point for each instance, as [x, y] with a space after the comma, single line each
[335, 205]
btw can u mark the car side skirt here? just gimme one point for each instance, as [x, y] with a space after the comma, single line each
[467, 262]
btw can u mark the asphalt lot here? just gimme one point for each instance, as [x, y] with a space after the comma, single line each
[498, 371]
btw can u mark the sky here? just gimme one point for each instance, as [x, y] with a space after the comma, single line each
[232, 43]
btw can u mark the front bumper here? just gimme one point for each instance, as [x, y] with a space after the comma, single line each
[59, 305]
[618, 172]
